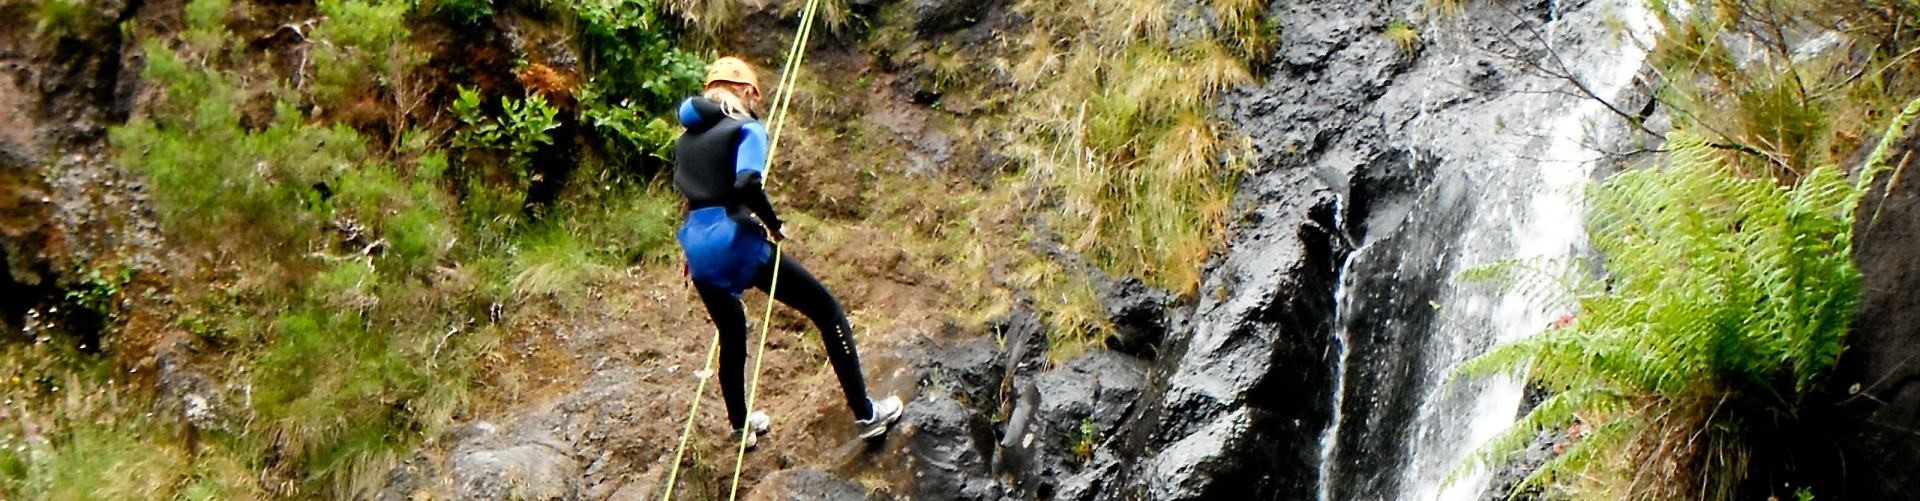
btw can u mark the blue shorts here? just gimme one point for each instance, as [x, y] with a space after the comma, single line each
[722, 252]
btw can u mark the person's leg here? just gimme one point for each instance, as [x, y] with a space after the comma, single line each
[800, 290]
[731, 320]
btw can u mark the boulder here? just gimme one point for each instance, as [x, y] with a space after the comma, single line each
[526, 471]
[806, 485]
[947, 450]
[969, 370]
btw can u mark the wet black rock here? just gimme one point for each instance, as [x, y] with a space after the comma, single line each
[1138, 314]
[948, 447]
[970, 371]
[1098, 389]
[1242, 394]
[1877, 383]
[1502, 487]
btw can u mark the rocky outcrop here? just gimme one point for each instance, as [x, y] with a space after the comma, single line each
[992, 423]
[1243, 391]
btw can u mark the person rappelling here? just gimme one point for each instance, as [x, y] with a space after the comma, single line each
[730, 238]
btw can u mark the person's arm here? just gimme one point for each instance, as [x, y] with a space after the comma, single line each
[750, 169]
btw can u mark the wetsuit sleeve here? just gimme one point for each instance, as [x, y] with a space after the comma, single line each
[749, 171]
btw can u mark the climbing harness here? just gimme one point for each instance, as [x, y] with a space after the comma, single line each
[781, 98]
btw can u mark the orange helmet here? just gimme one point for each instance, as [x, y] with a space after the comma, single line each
[731, 69]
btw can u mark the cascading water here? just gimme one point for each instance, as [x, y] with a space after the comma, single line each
[1508, 192]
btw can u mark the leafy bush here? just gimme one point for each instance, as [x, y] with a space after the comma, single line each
[638, 72]
[630, 135]
[497, 188]
[632, 56]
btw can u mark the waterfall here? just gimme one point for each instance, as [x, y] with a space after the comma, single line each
[1401, 426]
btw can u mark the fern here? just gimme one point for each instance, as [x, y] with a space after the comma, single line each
[1724, 296]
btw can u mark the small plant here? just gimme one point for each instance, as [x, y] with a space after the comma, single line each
[97, 292]
[1087, 436]
[62, 17]
[526, 123]
[519, 131]
[1402, 34]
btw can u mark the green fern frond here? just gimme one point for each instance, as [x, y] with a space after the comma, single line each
[1714, 283]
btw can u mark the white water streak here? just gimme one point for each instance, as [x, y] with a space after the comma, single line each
[1551, 228]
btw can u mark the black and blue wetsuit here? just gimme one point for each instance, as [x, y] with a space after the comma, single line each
[719, 164]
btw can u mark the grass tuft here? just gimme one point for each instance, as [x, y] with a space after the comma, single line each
[1403, 35]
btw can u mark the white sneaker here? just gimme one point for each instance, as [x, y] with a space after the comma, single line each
[885, 412]
[760, 424]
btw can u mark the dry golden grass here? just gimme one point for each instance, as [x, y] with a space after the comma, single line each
[1121, 140]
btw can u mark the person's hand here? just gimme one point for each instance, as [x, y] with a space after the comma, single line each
[777, 233]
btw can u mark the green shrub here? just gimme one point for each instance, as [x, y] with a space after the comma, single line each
[360, 48]
[206, 26]
[211, 177]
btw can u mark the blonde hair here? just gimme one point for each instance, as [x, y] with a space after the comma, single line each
[727, 95]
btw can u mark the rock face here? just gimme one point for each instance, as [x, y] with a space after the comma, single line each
[1380, 171]
[1877, 380]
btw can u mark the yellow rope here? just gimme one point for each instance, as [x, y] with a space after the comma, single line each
[781, 99]
[713, 351]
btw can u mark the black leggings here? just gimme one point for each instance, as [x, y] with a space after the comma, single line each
[801, 291]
